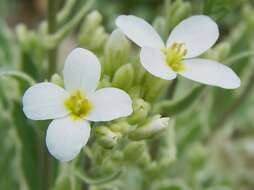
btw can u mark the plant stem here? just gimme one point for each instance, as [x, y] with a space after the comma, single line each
[171, 89]
[52, 60]
[238, 57]
[52, 53]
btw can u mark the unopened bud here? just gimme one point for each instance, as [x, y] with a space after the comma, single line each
[153, 128]
[122, 127]
[117, 51]
[159, 25]
[106, 137]
[27, 39]
[57, 79]
[140, 111]
[134, 150]
[219, 52]
[135, 92]
[153, 87]
[105, 82]
[123, 77]
[92, 34]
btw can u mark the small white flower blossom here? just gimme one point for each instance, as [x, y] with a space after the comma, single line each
[73, 107]
[190, 38]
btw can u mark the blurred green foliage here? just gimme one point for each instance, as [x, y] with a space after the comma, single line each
[208, 146]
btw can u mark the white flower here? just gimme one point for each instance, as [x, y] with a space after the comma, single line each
[72, 107]
[192, 37]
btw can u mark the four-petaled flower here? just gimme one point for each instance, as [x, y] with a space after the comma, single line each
[72, 107]
[188, 39]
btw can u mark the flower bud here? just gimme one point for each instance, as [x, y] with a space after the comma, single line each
[140, 111]
[92, 34]
[219, 52]
[153, 128]
[135, 92]
[122, 127]
[27, 39]
[159, 25]
[105, 82]
[177, 11]
[57, 79]
[106, 137]
[154, 87]
[134, 150]
[116, 53]
[123, 77]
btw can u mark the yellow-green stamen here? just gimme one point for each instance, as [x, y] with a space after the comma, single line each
[174, 55]
[78, 105]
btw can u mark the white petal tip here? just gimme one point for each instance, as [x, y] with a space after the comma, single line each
[236, 83]
[65, 138]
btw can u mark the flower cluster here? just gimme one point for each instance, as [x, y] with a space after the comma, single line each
[79, 103]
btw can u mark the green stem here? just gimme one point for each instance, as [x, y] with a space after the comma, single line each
[239, 56]
[52, 53]
[18, 74]
[52, 64]
[97, 181]
[65, 12]
[51, 41]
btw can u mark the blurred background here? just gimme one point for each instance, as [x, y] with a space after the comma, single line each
[214, 133]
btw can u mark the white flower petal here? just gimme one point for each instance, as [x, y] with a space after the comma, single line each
[139, 31]
[198, 33]
[66, 137]
[153, 61]
[44, 101]
[81, 71]
[211, 73]
[109, 104]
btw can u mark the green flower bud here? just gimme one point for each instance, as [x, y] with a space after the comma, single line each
[134, 150]
[122, 127]
[123, 77]
[159, 25]
[154, 87]
[27, 39]
[151, 129]
[117, 51]
[140, 111]
[105, 82]
[177, 11]
[92, 34]
[117, 156]
[135, 92]
[219, 52]
[94, 19]
[140, 72]
[57, 79]
[106, 137]
[223, 50]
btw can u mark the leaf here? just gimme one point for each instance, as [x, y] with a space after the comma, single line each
[6, 54]
[30, 154]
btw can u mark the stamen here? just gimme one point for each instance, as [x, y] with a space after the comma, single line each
[78, 105]
[174, 56]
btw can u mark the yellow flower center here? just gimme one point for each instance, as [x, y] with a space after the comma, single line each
[174, 56]
[78, 105]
